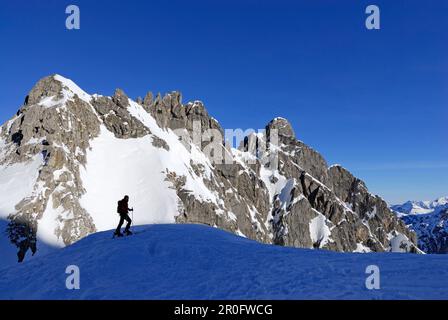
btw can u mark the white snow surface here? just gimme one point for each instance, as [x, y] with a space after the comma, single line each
[400, 243]
[48, 225]
[72, 89]
[17, 182]
[273, 188]
[188, 262]
[69, 90]
[133, 168]
[360, 248]
[319, 231]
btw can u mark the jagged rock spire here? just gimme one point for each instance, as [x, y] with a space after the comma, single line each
[120, 98]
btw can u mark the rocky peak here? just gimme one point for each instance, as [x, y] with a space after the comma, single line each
[148, 101]
[172, 99]
[45, 87]
[282, 126]
[169, 112]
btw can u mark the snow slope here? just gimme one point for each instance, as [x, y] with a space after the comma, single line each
[17, 181]
[137, 168]
[106, 184]
[198, 262]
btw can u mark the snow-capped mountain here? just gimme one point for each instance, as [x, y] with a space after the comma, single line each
[429, 219]
[67, 156]
[421, 207]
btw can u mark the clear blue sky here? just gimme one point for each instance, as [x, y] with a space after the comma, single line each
[373, 101]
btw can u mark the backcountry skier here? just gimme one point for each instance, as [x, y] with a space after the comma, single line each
[123, 210]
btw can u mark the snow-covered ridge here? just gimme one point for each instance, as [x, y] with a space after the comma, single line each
[201, 260]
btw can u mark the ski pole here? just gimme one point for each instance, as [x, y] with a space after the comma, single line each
[132, 221]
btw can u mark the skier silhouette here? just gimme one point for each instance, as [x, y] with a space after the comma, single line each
[123, 210]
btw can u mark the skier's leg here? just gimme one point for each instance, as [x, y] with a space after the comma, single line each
[117, 231]
[129, 221]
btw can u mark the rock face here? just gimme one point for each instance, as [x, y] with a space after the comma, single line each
[116, 118]
[429, 220]
[273, 188]
[320, 207]
[59, 135]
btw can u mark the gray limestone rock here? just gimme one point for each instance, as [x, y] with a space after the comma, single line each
[44, 88]
[117, 118]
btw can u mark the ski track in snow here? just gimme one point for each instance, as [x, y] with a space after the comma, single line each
[199, 262]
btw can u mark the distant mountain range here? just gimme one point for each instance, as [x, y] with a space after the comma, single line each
[429, 219]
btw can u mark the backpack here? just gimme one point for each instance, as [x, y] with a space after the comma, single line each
[121, 207]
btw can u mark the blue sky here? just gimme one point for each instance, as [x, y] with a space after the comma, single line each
[373, 101]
